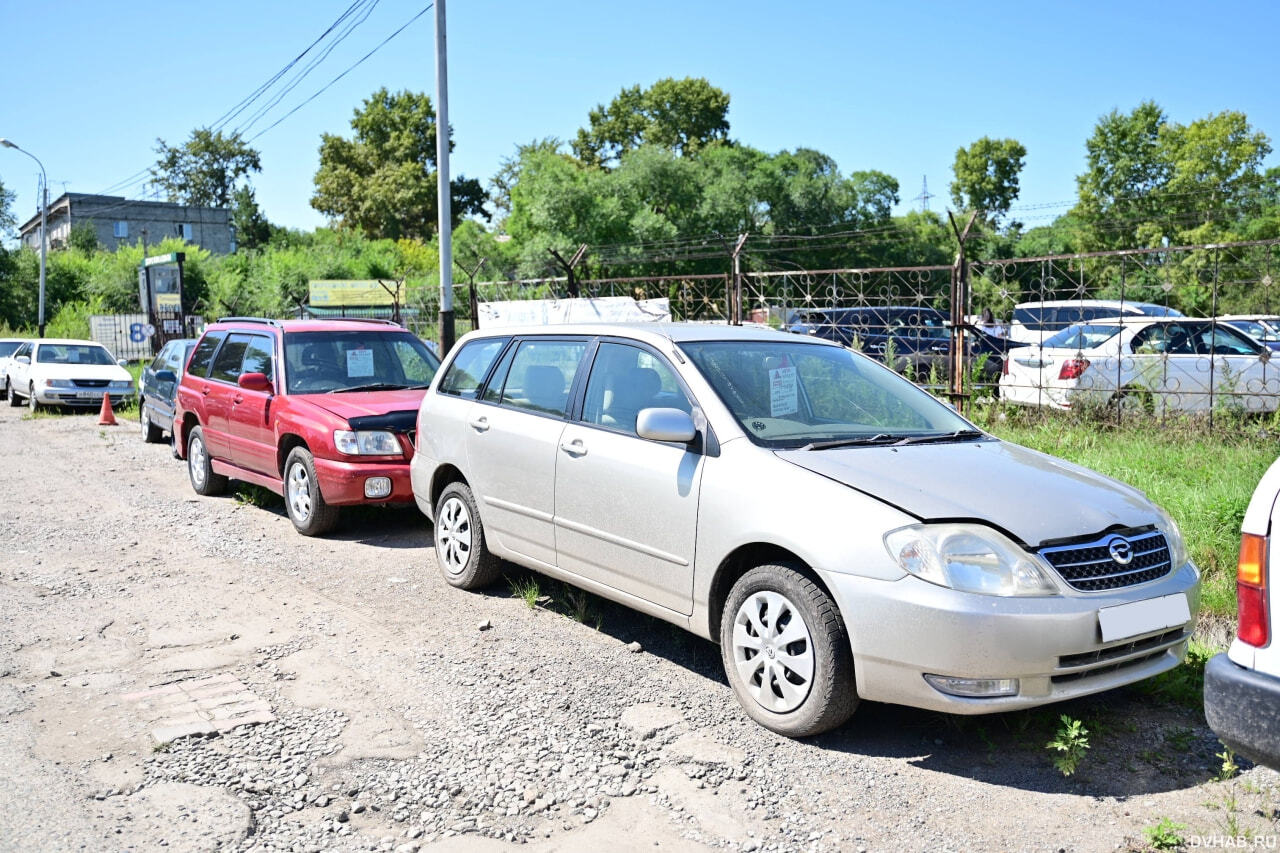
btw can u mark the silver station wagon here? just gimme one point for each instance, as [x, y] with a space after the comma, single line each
[839, 532]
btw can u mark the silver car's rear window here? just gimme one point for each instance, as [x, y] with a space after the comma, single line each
[792, 395]
[1083, 336]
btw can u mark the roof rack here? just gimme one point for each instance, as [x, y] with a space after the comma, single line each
[263, 320]
[381, 320]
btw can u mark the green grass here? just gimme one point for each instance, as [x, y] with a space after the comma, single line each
[525, 587]
[1203, 481]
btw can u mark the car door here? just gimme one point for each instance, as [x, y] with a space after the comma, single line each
[1243, 378]
[20, 371]
[513, 440]
[626, 508]
[251, 436]
[219, 390]
[155, 394]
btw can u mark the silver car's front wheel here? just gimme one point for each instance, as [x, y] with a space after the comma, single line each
[773, 651]
[786, 651]
[461, 551]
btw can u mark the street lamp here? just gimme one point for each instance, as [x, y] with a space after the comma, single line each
[44, 234]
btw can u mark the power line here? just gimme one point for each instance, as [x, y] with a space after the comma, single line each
[348, 70]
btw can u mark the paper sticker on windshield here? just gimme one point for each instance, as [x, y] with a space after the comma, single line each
[359, 362]
[784, 397]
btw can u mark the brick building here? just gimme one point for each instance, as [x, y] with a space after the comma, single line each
[119, 221]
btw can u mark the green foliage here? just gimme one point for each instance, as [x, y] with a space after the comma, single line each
[7, 220]
[682, 116]
[383, 180]
[1165, 835]
[252, 228]
[525, 588]
[84, 237]
[205, 169]
[1069, 745]
[986, 176]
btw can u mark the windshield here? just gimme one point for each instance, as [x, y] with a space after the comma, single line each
[73, 354]
[356, 360]
[1083, 336]
[789, 395]
[1254, 328]
[7, 348]
[1152, 310]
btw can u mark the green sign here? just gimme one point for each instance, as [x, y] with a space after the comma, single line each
[171, 258]
[340, 293]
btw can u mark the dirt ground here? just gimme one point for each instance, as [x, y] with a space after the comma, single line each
[397, 713]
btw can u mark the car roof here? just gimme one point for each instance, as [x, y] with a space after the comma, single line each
[1085, 303]
[308, 325]
[652, 333]
[66, 341]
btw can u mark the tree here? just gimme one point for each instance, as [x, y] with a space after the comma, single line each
[1126, 168]
[7, 220]
[206, 169]
[986, 176]
[253, 231]
[383, 180]
[684, 116]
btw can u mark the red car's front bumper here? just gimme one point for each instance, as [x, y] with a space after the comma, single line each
[344, 482]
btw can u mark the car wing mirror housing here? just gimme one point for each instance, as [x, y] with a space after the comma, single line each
[23, 359]
[166, 376]
[122, 362]
[255, 382]
[666, 425]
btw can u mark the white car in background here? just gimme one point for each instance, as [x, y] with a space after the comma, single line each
[8, 346]
[1034, 322]
[64, 372]
[1158, 365]
[1242, 686]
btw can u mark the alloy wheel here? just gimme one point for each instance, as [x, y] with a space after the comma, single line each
[299, 492]
[197, 462]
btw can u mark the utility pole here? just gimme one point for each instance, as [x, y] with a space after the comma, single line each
[924, 196]
[442, 185]
[44, 232]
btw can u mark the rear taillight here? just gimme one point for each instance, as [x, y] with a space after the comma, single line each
[1072, 368]
[1004, 366]
[1251, 590]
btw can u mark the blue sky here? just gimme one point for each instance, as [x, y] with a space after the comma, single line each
[889, 86]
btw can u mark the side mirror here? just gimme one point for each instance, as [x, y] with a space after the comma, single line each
[122, 362]
[255, 382]
[665, 425]
[166, 376]
[23, 359]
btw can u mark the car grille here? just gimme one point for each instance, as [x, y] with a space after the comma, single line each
[1115, 658]
[1093, 567]
[90, 383]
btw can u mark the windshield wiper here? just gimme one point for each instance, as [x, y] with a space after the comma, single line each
[375, 386]
[878, 438]
[958, 435]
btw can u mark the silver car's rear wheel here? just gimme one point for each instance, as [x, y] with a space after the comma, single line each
[786, 651]
[453, 535]
[773, 651]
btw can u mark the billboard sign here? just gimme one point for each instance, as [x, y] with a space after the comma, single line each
[355, 293]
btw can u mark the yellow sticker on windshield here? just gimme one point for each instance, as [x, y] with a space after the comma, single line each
[784, 397]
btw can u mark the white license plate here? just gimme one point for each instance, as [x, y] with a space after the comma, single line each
[89, 395]
[1143, 617]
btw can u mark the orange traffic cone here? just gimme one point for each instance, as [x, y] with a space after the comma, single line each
[108, 417]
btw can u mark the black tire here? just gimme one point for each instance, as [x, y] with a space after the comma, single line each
[32, 403]
[151, 433]
[13, 395]
[200, 468]
[306, 506]
[175, 432]
[830, 696]
[462, 554]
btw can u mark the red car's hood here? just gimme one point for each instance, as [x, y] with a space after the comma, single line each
[359, 404]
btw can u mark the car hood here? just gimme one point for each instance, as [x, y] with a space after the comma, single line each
[112, 372]
[359, 404]
[1032, 496]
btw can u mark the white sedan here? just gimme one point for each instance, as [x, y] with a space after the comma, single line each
[8, 346]
[60, 372]
[1159, 365]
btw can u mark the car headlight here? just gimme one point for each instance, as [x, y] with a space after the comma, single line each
[969, 558]
[1178, 556]
[366, 442]
[124, 385]
[57, 383]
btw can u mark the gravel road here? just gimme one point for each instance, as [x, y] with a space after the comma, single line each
[409, 715]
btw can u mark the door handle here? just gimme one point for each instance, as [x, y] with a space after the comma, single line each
[480, 424]
[237, 400]
[205, 390]
[574, 448]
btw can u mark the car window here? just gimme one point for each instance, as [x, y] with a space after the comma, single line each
[469, 366]
[1222, 340]
[73, 354]
[625, 379]
[161, 359]
[493, 390]
[257, 357]
[541, 374]
[8, 348]
[1082, 336]
[226, 367]
[203, 355]
[356, 360]
[25, 349]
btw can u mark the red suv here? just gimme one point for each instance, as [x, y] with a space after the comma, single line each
[319, 411]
